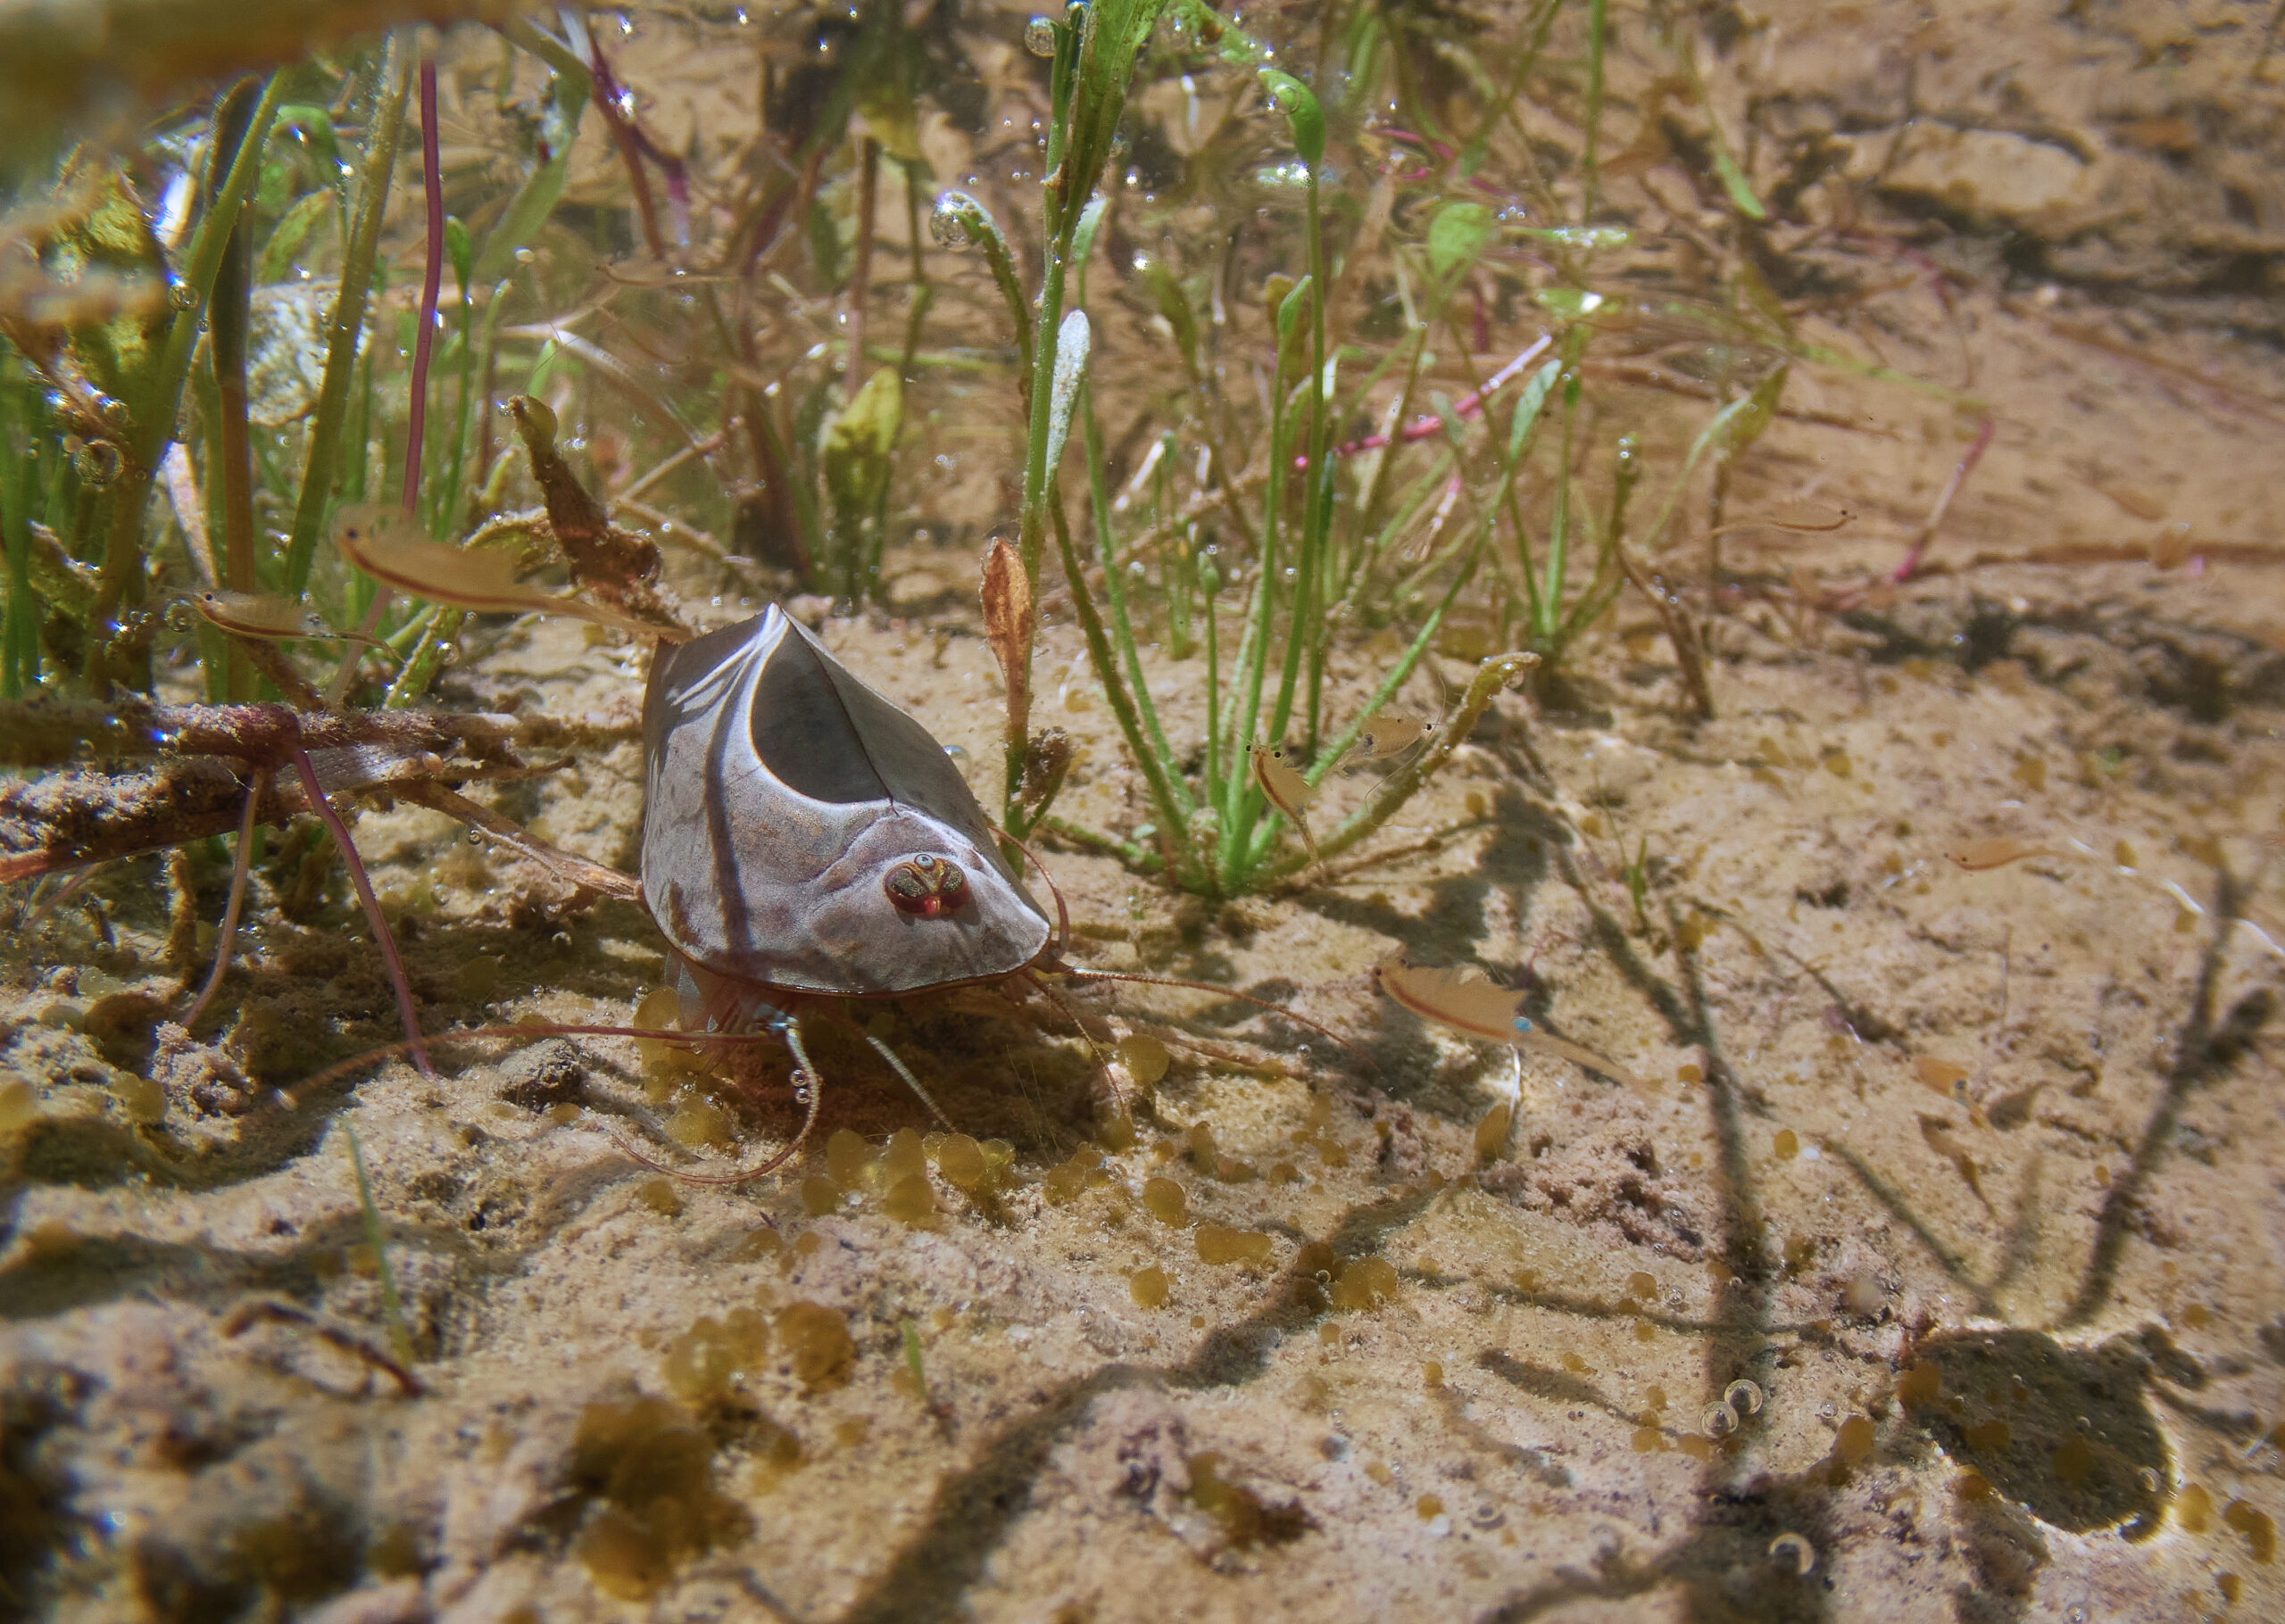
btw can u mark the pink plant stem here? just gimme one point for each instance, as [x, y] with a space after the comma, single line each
[1466, 406]
[239, 869]
[1911, 565]
[432, 281]
[635, 146]
[402, 988]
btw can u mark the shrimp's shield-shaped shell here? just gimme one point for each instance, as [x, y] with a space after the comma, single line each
[781, 795]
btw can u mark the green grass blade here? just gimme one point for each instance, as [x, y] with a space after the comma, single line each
[392, 1306]
[346, 330]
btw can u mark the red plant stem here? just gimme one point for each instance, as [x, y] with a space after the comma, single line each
[323, 807]
[1905, 570]
[1466, 406]
[432, 281]
[635, 146]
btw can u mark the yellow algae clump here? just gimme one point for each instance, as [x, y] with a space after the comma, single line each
[143, 1100]
[2260, 1532]
[1148, 1287]
[659, 1196]
[1788, 1144]
[763, 1242]
[999, 1162]
[666, 1064]
[817, 1343]
[699, 1122]
[19, 1105]
[1219, 1244]
[653, 1468]
[1165, 1200]
[1067, 1181]
[845, 1156]
[906, 1157]
[1198, 1143]
[2193, 1509]
[1245, 1518]
[1854, 1442]
[1988, 1436]
[819, 1196]
[1922, 1384]
[909, 1200]
[1146, 1058]
[1641, 1284]
[1365, 1283]
[704, 1365]
[961, 1159]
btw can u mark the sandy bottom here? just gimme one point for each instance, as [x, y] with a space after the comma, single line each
[1970, 1176]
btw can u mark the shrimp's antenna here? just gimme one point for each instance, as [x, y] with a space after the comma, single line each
[1062, 913]
[808, 1087]
[1227, 993]
[897, 1065]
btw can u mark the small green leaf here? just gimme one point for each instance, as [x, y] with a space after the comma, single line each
[1289, 312]
[1174, 305]
[1529, 405]
[287, 237]
[1457, 236]
[558, 127]
[1734, 181]
[825, 242]
[1083, 241]
[1742, 421]
[457, 249]
[316, 124]
[1292, 99]
[1570, 304]
[857, 445]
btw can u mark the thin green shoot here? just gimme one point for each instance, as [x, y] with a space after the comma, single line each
[392, 1306]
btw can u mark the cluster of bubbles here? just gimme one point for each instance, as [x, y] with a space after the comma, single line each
[1722, 1419]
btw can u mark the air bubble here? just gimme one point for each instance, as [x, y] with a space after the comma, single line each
[1743, 1394]
[1719, 1420]
[944, 226]
[1039, 37]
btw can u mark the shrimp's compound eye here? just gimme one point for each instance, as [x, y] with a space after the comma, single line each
[926, 886]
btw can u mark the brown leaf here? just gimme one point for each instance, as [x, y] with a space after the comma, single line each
[1008, 624]
[600, 555]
